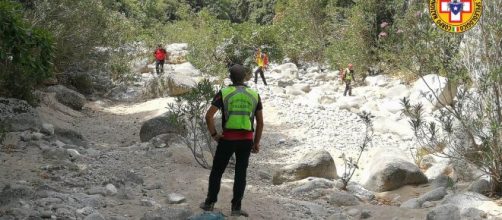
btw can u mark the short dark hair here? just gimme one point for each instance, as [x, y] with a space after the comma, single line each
[237, 73]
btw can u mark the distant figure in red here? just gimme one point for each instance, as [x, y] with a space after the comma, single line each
[160, 55]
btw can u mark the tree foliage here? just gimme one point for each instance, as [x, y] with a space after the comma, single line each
[25, 54]
[470, 129]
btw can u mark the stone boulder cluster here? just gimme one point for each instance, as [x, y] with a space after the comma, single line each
[311, 96]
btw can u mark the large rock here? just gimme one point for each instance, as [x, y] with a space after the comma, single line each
[314, 164]
[444, 212]
[186, 69]
[392, 106]
[312, 184]
[68, 97]
[179, 84]
[294, 91]
[411, 204]
[443, 168]
[360, 192]
[481, 186]
[397, 92]
[18, 115]
[434, 195]
[387, 125]
[287, 70]
[157, 126]
[388, 170]
[343, 199]
[433, 91]
[474, 214]
[69, 136]
[178, 80]
[348, 102]
[167, 214]
[379, 80]
[467, 200]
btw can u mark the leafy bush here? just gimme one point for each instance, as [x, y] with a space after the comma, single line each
[25, 54]
[188, 113]
[470, 129]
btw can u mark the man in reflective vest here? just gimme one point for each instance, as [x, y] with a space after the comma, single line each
[240, 107]
[348, 76]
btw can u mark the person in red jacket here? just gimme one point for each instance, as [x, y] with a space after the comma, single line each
[160, 56]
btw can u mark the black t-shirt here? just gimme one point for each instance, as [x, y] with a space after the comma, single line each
[218, 102]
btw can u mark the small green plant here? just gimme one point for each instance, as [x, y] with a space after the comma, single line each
[188, 114]
[351, 164]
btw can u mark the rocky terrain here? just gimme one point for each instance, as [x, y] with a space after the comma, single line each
[75, 158]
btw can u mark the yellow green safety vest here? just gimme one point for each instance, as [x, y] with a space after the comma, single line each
[239, 106]
[348, 74]
[259, 60]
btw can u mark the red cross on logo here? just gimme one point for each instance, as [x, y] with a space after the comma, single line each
[444, 7]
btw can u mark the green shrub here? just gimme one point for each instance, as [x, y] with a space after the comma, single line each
[469, 130]
[25, 54]
[189, 114]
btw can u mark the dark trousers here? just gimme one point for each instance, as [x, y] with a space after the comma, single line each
[259, 70]
[224, 151]
[159, 66]
[348, 88]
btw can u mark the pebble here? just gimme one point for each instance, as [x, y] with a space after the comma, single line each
[47, 129]
[86, 210]
[37, 136]
[353, 212]
[428, 204]
[149, 203]
[73, 153]
[111, 189]
[175, 198]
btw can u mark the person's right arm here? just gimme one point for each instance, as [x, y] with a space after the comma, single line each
[258, 132]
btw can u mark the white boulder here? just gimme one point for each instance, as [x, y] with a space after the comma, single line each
[287, 70]
[388, 169]
[186, 69]
[313, 164]
[379, 80]
[433, 91]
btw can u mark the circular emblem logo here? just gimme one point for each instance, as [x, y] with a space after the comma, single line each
[455, 16]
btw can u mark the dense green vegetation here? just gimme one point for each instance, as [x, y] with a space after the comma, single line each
[25, 54]
[394, 35]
